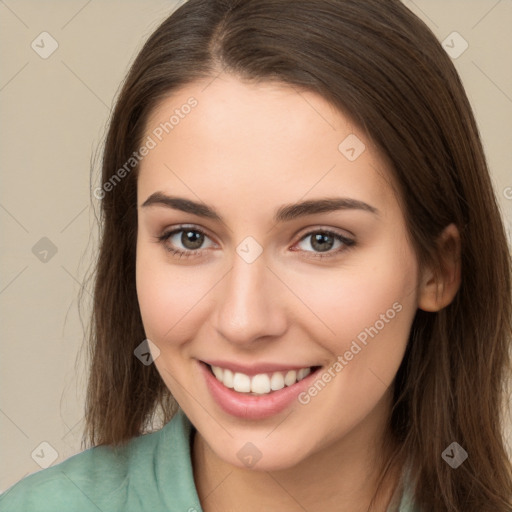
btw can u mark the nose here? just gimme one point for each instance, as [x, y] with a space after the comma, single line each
[250, 303]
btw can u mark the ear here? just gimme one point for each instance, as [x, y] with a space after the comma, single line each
[437, 289]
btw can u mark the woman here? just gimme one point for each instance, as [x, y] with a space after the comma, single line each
[303, 273]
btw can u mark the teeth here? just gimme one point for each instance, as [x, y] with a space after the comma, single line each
[277, 381]
[242, 383]
[303, 372]
[218, 372]
[227, 378]
[260, 384]
[290, 378]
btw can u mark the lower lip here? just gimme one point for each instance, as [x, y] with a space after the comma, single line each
[253, 407]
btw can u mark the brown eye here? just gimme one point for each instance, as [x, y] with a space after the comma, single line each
[191, 239]
[185, 241]
[322, 241]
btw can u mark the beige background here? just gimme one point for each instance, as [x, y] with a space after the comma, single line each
[54, 113]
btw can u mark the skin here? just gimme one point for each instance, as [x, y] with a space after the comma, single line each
[246, 149]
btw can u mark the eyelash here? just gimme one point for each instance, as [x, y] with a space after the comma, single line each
[347, 242]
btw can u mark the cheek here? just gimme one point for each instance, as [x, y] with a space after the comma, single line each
[374, 299]
[169, 297]
[370, 309]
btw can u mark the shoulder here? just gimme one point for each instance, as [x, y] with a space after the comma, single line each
[67, 484]
[105, 478]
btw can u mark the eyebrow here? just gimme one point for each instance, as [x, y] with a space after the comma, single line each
[284, 213]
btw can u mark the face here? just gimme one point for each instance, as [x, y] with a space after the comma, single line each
[277, 325]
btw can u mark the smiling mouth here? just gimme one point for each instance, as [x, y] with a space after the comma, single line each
[262, 383]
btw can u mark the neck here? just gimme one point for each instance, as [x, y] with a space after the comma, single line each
[342, 478]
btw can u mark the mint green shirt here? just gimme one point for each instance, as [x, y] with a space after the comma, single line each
[152, 473]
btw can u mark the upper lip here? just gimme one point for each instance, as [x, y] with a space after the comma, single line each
[256, 368]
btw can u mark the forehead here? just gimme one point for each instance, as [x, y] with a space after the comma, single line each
[265, 142]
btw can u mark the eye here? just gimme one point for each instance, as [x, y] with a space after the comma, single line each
[322, 241]
[190, 238]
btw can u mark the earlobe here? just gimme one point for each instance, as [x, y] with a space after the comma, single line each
[438, 288]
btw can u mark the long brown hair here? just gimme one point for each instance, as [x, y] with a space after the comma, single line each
[378, 63]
